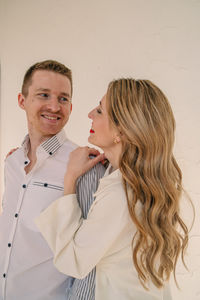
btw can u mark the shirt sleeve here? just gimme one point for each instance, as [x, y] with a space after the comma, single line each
[79, 244]
[3, 198]
[86, 187]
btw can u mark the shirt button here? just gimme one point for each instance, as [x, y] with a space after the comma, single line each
[9, 244]
[4, 275]
[16, 215]
[45, 184]
[24, 186]
[26, 162]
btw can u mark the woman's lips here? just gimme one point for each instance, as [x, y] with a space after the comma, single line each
[91, 131]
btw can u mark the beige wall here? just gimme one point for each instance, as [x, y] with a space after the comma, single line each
[101, 40]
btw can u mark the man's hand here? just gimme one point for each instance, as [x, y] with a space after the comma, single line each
[11, 151]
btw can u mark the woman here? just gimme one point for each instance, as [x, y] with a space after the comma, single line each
[133, 233]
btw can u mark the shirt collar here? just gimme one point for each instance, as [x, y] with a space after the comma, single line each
[111, 174]
[110, 177]
[50, 146]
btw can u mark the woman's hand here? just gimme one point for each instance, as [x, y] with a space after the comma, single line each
[79, 163]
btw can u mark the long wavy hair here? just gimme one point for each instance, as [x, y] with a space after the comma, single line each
[151, 176]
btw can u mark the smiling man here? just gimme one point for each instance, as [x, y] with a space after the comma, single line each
[34, 176]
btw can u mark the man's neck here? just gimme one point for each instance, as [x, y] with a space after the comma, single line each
[34, 143]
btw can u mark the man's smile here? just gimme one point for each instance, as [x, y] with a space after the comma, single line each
[50, 117]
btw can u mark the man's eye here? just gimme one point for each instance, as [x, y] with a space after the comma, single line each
[43, 95]
[64, 99]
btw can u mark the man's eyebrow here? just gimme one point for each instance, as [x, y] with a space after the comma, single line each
[100, 103]
[65, 94]
[43, 90]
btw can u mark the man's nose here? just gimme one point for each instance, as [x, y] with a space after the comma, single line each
[54, 104]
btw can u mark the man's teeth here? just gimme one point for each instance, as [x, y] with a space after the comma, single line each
[51, 118]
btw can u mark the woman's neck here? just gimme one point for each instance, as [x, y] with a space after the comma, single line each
[113, 155]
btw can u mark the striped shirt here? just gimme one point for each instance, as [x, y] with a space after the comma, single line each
[26, 261]
[84, 289]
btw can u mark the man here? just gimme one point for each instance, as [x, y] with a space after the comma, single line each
[34, 176]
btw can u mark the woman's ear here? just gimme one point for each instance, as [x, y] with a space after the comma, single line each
[117, 139]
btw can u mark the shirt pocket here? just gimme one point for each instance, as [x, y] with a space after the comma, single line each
[37, 197]
[48, 185]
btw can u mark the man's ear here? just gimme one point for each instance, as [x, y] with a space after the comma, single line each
[21, 100]
[71, 107]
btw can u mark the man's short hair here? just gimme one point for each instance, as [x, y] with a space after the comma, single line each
[48, 65]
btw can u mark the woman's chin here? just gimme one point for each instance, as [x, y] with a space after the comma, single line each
[91, 141]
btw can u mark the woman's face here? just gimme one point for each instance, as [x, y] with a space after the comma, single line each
[102, 133]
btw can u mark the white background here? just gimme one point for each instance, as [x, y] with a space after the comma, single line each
[101, 40]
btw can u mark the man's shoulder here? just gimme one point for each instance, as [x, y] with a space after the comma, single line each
[14, 156]
[65, 149]
[98, 168]
[68, 144]
[87, 186]
[94, 174]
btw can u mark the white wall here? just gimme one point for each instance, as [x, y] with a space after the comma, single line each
[101, 40]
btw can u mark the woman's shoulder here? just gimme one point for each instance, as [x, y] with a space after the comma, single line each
[111, 183]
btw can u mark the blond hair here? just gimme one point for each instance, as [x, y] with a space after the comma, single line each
[151, 176]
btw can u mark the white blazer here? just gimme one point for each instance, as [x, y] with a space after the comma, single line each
[102, 240]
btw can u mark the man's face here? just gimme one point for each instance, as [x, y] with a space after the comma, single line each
[48, 103]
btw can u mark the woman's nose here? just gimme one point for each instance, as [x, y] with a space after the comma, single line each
[90, 114]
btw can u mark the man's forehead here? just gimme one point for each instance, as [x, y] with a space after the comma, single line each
[46, 79]
[48, 74]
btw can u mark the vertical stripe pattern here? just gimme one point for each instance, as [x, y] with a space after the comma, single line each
[84, 289]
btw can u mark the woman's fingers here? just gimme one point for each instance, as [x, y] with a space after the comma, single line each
[82, 159]
[96, 160]
[93, 151]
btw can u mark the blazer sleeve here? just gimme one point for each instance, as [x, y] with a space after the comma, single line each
[79, 244]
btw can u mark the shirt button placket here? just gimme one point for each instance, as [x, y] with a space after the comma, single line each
[24, 186]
